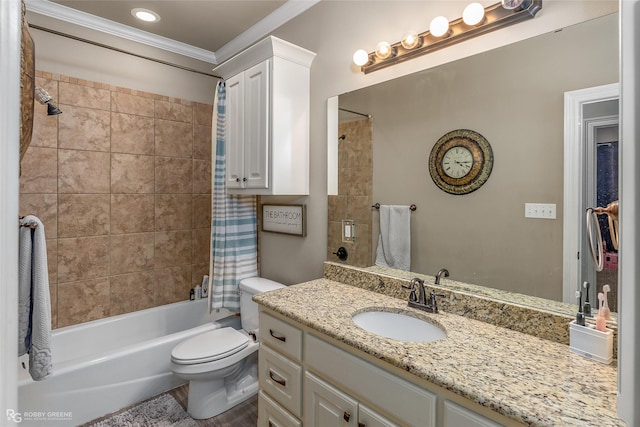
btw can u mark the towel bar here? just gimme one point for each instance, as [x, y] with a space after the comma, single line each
[412, 208]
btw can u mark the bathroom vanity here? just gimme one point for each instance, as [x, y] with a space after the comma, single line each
[318, 368]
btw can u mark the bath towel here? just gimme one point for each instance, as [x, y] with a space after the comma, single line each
[34, 309]
[394, 242]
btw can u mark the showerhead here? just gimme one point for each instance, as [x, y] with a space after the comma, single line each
[43, 97]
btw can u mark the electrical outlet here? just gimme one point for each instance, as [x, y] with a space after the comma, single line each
[540, 210]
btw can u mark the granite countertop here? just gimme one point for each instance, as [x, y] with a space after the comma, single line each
[525, 378]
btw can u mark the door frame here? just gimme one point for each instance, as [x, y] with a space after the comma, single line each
[574, 154]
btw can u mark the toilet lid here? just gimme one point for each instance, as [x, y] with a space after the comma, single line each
[209, 346]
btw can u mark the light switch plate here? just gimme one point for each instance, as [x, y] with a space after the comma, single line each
[540, 210]
[348, 230]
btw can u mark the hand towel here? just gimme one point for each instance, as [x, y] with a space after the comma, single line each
[34, 310]
[394, 242]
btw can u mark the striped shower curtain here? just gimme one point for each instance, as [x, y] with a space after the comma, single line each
[234, 245]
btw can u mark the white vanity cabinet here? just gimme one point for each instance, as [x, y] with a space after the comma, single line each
[267, 140]
[305, 380]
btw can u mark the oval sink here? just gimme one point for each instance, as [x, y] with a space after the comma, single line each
[398, 326]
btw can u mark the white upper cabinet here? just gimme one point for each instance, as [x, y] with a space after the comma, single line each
[267, 141]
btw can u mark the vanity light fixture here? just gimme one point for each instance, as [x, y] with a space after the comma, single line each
[476, 20]
[145, 15]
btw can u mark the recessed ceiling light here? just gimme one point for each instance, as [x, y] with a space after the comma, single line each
[145, 14]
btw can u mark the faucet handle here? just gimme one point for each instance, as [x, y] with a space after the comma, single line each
[432, 300]
[412, 288]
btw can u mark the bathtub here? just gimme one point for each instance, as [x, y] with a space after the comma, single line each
[108, 364]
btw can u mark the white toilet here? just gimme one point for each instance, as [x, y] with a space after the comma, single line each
[222, 365]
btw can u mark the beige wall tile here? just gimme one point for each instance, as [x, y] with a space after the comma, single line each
[132, 134]
[203, 114]
[83, 96]
[200, 245]
[132, 252]
[45, 207]
[83, 301]
[45, 127]
[131, 292]
[83, 258]
[132, 173]
[83, 171]
[52, 260]
[201, 177]
[197, 273]
[337, 208]
[38, 170]
[202, 142]
[172, 284]
[172, 248]
[132, 213]
[132, 104]
[83, 215]
[173, 211]
[53, 295]
[174, 111]
[82, 128]
[174, 175]
[201, 211]
[173, 139]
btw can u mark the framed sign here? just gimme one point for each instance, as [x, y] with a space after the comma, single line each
[285, 219]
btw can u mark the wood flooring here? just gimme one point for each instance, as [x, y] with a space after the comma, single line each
[243, 415]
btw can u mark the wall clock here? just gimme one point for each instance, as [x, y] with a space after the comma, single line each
[461, 161]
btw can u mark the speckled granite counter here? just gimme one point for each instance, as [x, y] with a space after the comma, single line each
[528, 379]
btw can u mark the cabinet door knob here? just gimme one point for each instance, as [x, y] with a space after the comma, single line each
[362, 425]
[244, 179]
[346, 416]
[237, 179]
[278, 337]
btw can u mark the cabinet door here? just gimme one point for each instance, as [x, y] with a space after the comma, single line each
[234, 143]
[456, 415]
[270, 414]
[326, 406]
[256, 126]
[369, 418]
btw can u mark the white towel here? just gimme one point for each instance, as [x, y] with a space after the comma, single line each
[394, 242]
[34, 309]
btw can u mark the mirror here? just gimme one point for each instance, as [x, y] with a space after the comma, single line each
[514, 97]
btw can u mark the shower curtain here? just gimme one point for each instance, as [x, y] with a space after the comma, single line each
[234, 238]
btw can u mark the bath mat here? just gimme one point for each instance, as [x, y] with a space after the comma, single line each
[160, 411]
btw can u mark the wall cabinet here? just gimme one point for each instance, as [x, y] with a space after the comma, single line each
[267, 140]
[307, 381]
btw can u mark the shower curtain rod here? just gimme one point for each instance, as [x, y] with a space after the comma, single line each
[159, 61]
[368, 116]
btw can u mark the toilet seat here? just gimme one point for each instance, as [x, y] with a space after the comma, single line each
[210, 346]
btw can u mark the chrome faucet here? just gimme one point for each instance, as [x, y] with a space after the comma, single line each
[419, 301]
[443, 272]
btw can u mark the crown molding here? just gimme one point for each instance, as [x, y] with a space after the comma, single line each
[265, 26]
[83, 19]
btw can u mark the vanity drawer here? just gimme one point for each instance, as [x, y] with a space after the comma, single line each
[281, 336]
[270, 414]
[281, 378]
[370, 383]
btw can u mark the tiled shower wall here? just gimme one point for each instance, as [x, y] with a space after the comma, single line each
[354, 199]
[122, 181]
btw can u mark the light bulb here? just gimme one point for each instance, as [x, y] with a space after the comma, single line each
[411, 40]
[384, 50]
[473, 14]
[360, 57]
[439, 26]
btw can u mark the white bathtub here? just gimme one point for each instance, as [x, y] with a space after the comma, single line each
[108, 364]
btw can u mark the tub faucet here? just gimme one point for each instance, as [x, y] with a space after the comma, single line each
[443, 272]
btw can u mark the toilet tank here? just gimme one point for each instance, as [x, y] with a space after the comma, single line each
[249, 309]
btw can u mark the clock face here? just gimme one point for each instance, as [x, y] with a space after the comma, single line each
[460, 161]
[457, 161]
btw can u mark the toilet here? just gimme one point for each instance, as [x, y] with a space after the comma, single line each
[222, 365]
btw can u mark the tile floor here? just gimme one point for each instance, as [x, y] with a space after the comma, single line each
[243, 415]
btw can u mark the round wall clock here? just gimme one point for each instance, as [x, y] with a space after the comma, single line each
[461, 161]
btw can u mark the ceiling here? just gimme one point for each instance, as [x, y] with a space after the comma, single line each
[207, 30]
